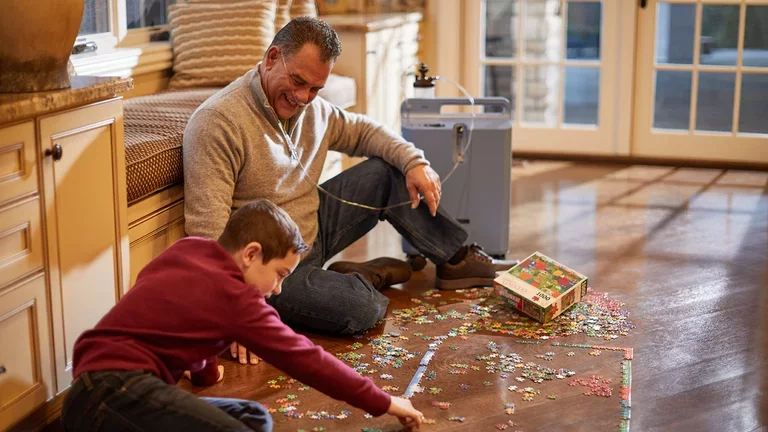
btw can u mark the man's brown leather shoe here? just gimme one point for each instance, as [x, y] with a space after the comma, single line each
[380, 272]
[476, 269]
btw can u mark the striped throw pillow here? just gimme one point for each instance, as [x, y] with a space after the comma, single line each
[283, 14]
[303, 8]
[216, 43]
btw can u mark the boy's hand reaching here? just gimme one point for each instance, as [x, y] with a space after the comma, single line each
[405, 412]
[242, 355]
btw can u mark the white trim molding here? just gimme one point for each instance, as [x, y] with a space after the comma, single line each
[125, 62]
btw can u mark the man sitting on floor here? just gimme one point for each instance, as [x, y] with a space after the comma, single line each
[266, 135]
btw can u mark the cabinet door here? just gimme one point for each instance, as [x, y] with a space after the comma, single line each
[391, 54]
[408, 36]
[86, 222]
[374, 74]
[25, 357]
[403, 61]
[392, 93]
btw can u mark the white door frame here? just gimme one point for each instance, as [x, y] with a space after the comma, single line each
[687, 144]
[612, 137]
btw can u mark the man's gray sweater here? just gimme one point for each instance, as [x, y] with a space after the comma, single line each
[235, 150]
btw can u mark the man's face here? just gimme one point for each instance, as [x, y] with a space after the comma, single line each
[291, 82]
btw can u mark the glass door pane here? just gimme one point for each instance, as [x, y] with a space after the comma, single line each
[550, 59]
[501, 28]
[702, 93]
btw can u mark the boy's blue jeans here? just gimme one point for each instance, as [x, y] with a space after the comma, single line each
[134, 401]
[331, 302]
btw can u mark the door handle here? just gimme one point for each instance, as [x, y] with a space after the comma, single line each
[643, 4]
[57, 152]
[2, 369]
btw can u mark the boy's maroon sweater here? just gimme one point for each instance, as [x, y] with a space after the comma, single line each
[187, 306]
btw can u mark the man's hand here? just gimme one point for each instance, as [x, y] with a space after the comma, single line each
[241, 354]
[423, 179]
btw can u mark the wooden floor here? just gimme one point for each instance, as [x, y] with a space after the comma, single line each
[686, 250]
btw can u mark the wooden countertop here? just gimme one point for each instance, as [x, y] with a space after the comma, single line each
[84, 90]
[369, 22]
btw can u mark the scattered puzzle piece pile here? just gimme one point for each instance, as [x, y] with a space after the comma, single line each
[596, 316]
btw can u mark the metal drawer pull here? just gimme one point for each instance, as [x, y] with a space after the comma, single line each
[57, 152]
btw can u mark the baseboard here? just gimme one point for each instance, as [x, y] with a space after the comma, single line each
[44, 415]
[642, 161]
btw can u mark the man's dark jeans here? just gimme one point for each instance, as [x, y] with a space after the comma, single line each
[331, 302]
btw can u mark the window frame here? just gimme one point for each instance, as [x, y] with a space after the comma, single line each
[122, 43]
[121, 35]
[474, 59]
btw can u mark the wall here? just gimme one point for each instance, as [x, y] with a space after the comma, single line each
[443, 44]
[149, 83]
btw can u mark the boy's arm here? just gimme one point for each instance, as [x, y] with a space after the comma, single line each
[262, 332]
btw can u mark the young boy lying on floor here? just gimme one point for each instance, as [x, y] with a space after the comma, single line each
[186, 307]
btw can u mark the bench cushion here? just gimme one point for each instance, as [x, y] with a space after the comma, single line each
[154, 128]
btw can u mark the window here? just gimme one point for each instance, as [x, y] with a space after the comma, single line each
[146, 13]
[95, 18]
[114, 23]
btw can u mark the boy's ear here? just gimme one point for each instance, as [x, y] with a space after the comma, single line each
[251, 253]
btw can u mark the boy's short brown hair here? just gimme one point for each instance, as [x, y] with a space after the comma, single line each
[263, 222]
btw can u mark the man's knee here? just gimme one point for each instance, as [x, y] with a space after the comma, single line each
[365, 310]
[378, 168]
[365, 317]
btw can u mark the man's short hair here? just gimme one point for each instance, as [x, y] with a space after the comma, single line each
[263, 222]
[304, 30]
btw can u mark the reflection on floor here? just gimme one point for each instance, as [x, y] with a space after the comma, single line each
[685, 250]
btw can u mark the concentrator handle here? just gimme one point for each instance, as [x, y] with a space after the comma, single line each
[435, 105]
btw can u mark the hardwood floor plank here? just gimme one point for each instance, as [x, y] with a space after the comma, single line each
[685, 249]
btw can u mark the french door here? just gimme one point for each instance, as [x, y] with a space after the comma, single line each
[702, 80]
[559, 62]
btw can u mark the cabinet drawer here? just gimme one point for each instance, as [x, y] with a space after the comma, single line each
[18, 170]
[26, 378]
[151, 236]
[21, 244]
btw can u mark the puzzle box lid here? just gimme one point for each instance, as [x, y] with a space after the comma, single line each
[540, 279]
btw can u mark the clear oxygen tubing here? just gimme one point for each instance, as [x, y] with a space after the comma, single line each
[459, 158]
